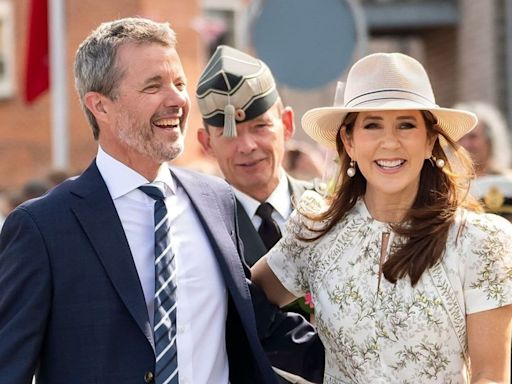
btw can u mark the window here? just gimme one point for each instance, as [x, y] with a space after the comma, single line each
[6, 50]
[223, 22]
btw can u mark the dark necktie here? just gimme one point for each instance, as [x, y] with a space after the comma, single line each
[269, 230]
[164, 329]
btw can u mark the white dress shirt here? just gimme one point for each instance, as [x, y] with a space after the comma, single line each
[280, 199]
[201, 292]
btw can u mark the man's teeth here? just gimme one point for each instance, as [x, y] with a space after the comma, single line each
[390, 163]
[166, 123]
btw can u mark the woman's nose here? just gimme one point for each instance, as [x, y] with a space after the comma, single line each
[390, 139]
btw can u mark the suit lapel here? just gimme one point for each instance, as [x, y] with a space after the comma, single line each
[96, 213]
[222, 238]
[253, 245]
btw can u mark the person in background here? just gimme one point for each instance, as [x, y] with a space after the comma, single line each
[302, 160]
[411, 281]
[131, 273]
[489, 146]
[246, 127]
[489, 143]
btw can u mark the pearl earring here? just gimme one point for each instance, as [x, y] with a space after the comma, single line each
[351, 171]
[439, 162]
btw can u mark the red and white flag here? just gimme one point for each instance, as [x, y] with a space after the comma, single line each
[37, 59]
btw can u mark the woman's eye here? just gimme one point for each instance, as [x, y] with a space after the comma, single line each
[407, 125]
[371, 126]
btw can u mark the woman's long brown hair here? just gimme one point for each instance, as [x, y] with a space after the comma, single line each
[426, 223]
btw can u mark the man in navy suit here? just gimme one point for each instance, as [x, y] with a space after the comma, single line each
[77, 266]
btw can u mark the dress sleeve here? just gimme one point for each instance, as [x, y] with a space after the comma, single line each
[289, 258]
[488, 264]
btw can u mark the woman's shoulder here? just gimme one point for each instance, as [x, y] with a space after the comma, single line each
[481, 221]
[479, 225]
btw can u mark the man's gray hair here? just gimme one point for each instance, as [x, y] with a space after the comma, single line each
[96, 57]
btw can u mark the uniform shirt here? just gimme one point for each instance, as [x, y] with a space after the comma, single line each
[279, 198]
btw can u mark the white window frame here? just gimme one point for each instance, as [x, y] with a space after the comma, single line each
[7, 39]
[240, 20]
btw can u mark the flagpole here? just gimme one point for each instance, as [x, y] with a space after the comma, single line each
[58, 81]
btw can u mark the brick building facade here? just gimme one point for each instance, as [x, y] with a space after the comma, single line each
[464, 44]
[25, 129]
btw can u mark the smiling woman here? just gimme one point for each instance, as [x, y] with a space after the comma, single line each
[389, 148]
[409, 278]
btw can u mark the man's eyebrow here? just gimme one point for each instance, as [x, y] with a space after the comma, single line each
[153, 79]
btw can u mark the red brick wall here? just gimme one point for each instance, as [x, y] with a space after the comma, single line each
[25, 130]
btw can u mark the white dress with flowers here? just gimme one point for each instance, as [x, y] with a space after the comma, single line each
[393, 333]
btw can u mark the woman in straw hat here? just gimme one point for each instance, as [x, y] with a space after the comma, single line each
[412, 283]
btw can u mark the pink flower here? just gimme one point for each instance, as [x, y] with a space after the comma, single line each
[309, 300]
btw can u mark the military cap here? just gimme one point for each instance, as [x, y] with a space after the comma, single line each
[495, 193]
[233, 88]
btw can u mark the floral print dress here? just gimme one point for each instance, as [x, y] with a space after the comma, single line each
[378, 332]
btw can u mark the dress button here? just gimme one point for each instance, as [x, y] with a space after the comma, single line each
[149, 377]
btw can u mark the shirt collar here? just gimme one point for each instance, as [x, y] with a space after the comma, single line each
[121, 179]
[279, 198]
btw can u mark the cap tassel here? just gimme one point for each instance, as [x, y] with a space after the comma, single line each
[229, 121]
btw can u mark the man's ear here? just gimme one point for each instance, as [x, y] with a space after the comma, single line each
[287, 117]
[204, 139]
[97, 104]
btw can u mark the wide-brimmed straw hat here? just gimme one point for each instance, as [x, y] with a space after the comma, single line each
[381, 82]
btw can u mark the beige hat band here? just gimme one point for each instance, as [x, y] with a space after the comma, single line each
[389, 94]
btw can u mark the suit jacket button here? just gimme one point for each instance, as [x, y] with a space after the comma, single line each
[149, 377]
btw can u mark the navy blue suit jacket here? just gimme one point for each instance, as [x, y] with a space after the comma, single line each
[71, 304]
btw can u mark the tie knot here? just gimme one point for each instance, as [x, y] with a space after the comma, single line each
[265, 211]
[152, 191]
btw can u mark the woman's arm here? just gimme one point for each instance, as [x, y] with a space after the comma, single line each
[489, 334]
[264, 278]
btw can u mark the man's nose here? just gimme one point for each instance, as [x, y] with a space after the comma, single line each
[175, 97]
[246, 143]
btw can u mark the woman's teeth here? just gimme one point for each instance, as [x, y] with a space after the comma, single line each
[390, 163]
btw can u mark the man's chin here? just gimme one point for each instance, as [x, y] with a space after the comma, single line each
[163, 153]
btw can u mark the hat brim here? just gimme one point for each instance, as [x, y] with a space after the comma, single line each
[322, 124]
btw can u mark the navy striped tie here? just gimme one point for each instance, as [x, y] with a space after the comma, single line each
[164, 330]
